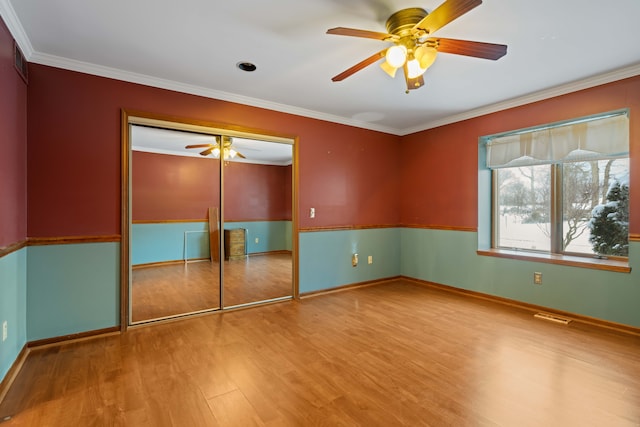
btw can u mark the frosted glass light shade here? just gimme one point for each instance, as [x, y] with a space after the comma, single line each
[426, 56]
[414, 70]
[396, 56]
[391, 71]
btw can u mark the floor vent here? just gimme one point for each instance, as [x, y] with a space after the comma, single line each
[552, 318]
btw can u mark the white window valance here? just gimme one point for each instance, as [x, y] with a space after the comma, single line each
[588, 139]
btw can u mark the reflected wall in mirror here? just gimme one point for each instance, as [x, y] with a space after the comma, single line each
[177, 204]
[257, 215]
[173, 272]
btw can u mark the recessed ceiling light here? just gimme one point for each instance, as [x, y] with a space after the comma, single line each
[246, 66]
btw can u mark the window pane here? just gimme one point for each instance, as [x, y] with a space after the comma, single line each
[523, 217]
[595, 207]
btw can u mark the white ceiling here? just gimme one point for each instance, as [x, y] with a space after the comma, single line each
[193, 46]
[173, 142]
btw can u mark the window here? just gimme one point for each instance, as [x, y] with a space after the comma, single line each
[563, 188]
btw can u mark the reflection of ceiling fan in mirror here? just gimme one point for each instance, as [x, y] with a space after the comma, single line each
[228, 152]
[414, 50]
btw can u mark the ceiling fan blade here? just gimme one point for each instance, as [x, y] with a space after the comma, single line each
[470, 48]
[198, 146]
[445, 13]
[359, 66]
[341, 31]
[238, 154]
[207, 151]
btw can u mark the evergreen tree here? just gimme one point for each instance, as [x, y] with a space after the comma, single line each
[609, 222]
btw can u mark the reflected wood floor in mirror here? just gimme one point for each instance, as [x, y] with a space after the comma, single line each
[174, 289]
[385, 355]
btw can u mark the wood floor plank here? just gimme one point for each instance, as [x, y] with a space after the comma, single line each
[233, 409]
[391, 354]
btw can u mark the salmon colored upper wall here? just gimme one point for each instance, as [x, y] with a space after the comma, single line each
[288, 194]
[256, 192]
[439, 178]
[345, 173]
[350, 178]
[74, 154]
[13, 146]
[165, 187]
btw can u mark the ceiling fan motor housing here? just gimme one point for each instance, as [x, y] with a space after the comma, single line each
[401, 22]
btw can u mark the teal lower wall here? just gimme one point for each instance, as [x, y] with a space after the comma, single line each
[325, 257]
[13, 307]
[161, 242]
[72, 288]
[166, 242]
[271, 235]
[450, 258]
[288, 229]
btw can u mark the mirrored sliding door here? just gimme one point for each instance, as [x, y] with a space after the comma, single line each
[175, 222]
[257, 207]
[209, 220]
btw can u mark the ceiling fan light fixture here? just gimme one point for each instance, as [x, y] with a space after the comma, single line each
[414, 47]
[414, 69]
[222, 147]
[396, 56]
[389, 69]
[227, 153]
[426, 56]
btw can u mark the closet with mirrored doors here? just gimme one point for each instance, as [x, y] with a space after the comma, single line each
[208, 219]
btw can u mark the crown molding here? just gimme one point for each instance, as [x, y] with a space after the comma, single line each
[597, 80]
[93, 69]
[114, 73]
[16, 29]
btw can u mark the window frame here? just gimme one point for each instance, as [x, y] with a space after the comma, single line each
[487, 213]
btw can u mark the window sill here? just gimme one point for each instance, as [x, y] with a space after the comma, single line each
[572, 261]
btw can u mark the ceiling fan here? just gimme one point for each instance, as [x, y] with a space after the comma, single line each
[414, 50]
[216, 149]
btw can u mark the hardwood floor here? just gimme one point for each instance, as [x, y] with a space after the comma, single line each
[392, 354]
[175, 289]
[257, 278]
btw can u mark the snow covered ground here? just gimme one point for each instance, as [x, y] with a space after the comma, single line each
[514, 233]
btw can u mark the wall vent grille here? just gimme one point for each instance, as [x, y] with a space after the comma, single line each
[21, 64]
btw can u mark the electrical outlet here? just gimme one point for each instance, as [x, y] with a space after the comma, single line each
[257, 240]
[370, 259]
[5, 330]
[537, 278]
[354, 260]
[312, 212]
